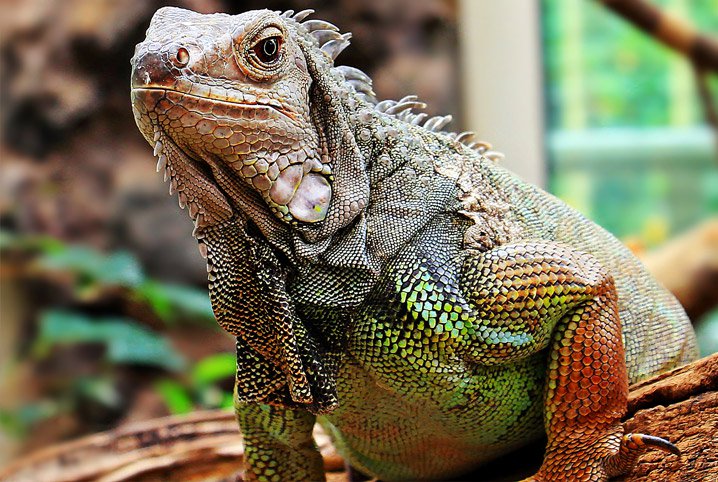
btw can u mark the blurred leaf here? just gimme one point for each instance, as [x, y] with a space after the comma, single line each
[126, 341]
[94, 269]
[45, 244]
[170, 301]
[178, 396]
[175, 396]
[101, 390]
[7, 239]
[17, 422]
[214, 368]
[227, 400]
[120, 268]
[211, 397]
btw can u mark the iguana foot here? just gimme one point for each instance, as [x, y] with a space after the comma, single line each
[633, 445]
[610, 456]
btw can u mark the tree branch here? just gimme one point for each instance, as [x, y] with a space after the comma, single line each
[670, 30]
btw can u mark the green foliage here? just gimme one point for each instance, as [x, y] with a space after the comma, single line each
[172, 301]
[639, 161]
[214, 368]
[201, 386]
[16, 423]
[94, 271]
[603, 72]
[100, 390]
[47, 244]
[126, 341]
[175, 396]
[92, 267]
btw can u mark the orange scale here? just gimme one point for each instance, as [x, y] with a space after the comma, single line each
[584, 411]
[577, 356]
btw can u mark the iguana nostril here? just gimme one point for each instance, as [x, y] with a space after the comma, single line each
[158, 67]
[182, 57]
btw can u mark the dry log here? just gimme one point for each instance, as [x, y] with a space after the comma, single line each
[681, 404]
[201, 446]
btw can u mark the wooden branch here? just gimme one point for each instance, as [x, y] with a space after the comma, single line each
[681, 405]
[670, 30]
[201, 446]
[710, 111]
[688, 267]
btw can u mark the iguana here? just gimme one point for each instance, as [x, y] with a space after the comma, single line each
[385, 277]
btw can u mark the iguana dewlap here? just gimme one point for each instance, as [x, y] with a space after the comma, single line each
[433, 310]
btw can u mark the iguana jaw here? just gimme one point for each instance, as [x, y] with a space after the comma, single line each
[194, 184]
[255, 140]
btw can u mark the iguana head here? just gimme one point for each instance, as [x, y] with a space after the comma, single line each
[245, 107]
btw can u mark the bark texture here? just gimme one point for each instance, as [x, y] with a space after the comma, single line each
[681, 405]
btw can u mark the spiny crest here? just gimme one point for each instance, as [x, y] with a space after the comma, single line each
[332, 43]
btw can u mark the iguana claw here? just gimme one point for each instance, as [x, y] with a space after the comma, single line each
[633, 445]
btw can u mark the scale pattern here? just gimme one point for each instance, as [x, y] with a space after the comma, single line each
[384, 277]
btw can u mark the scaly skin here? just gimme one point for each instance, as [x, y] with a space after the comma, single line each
[431, 310]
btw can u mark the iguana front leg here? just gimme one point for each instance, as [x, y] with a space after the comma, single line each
[278, 361]
[519, 299]
[278, 444]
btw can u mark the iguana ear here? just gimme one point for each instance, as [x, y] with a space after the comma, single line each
[350, 185]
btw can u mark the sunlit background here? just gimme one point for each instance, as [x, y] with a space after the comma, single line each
[105, 318]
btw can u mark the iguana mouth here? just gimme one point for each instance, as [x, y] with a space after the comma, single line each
[229, 100]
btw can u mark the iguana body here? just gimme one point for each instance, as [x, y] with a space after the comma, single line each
[432, 308]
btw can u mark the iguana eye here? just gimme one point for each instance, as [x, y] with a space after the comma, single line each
[267, 50]
[182, 57]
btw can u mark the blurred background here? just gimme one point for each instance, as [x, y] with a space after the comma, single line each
[104, 316]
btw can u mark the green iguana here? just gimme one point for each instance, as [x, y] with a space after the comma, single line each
[388, 278]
